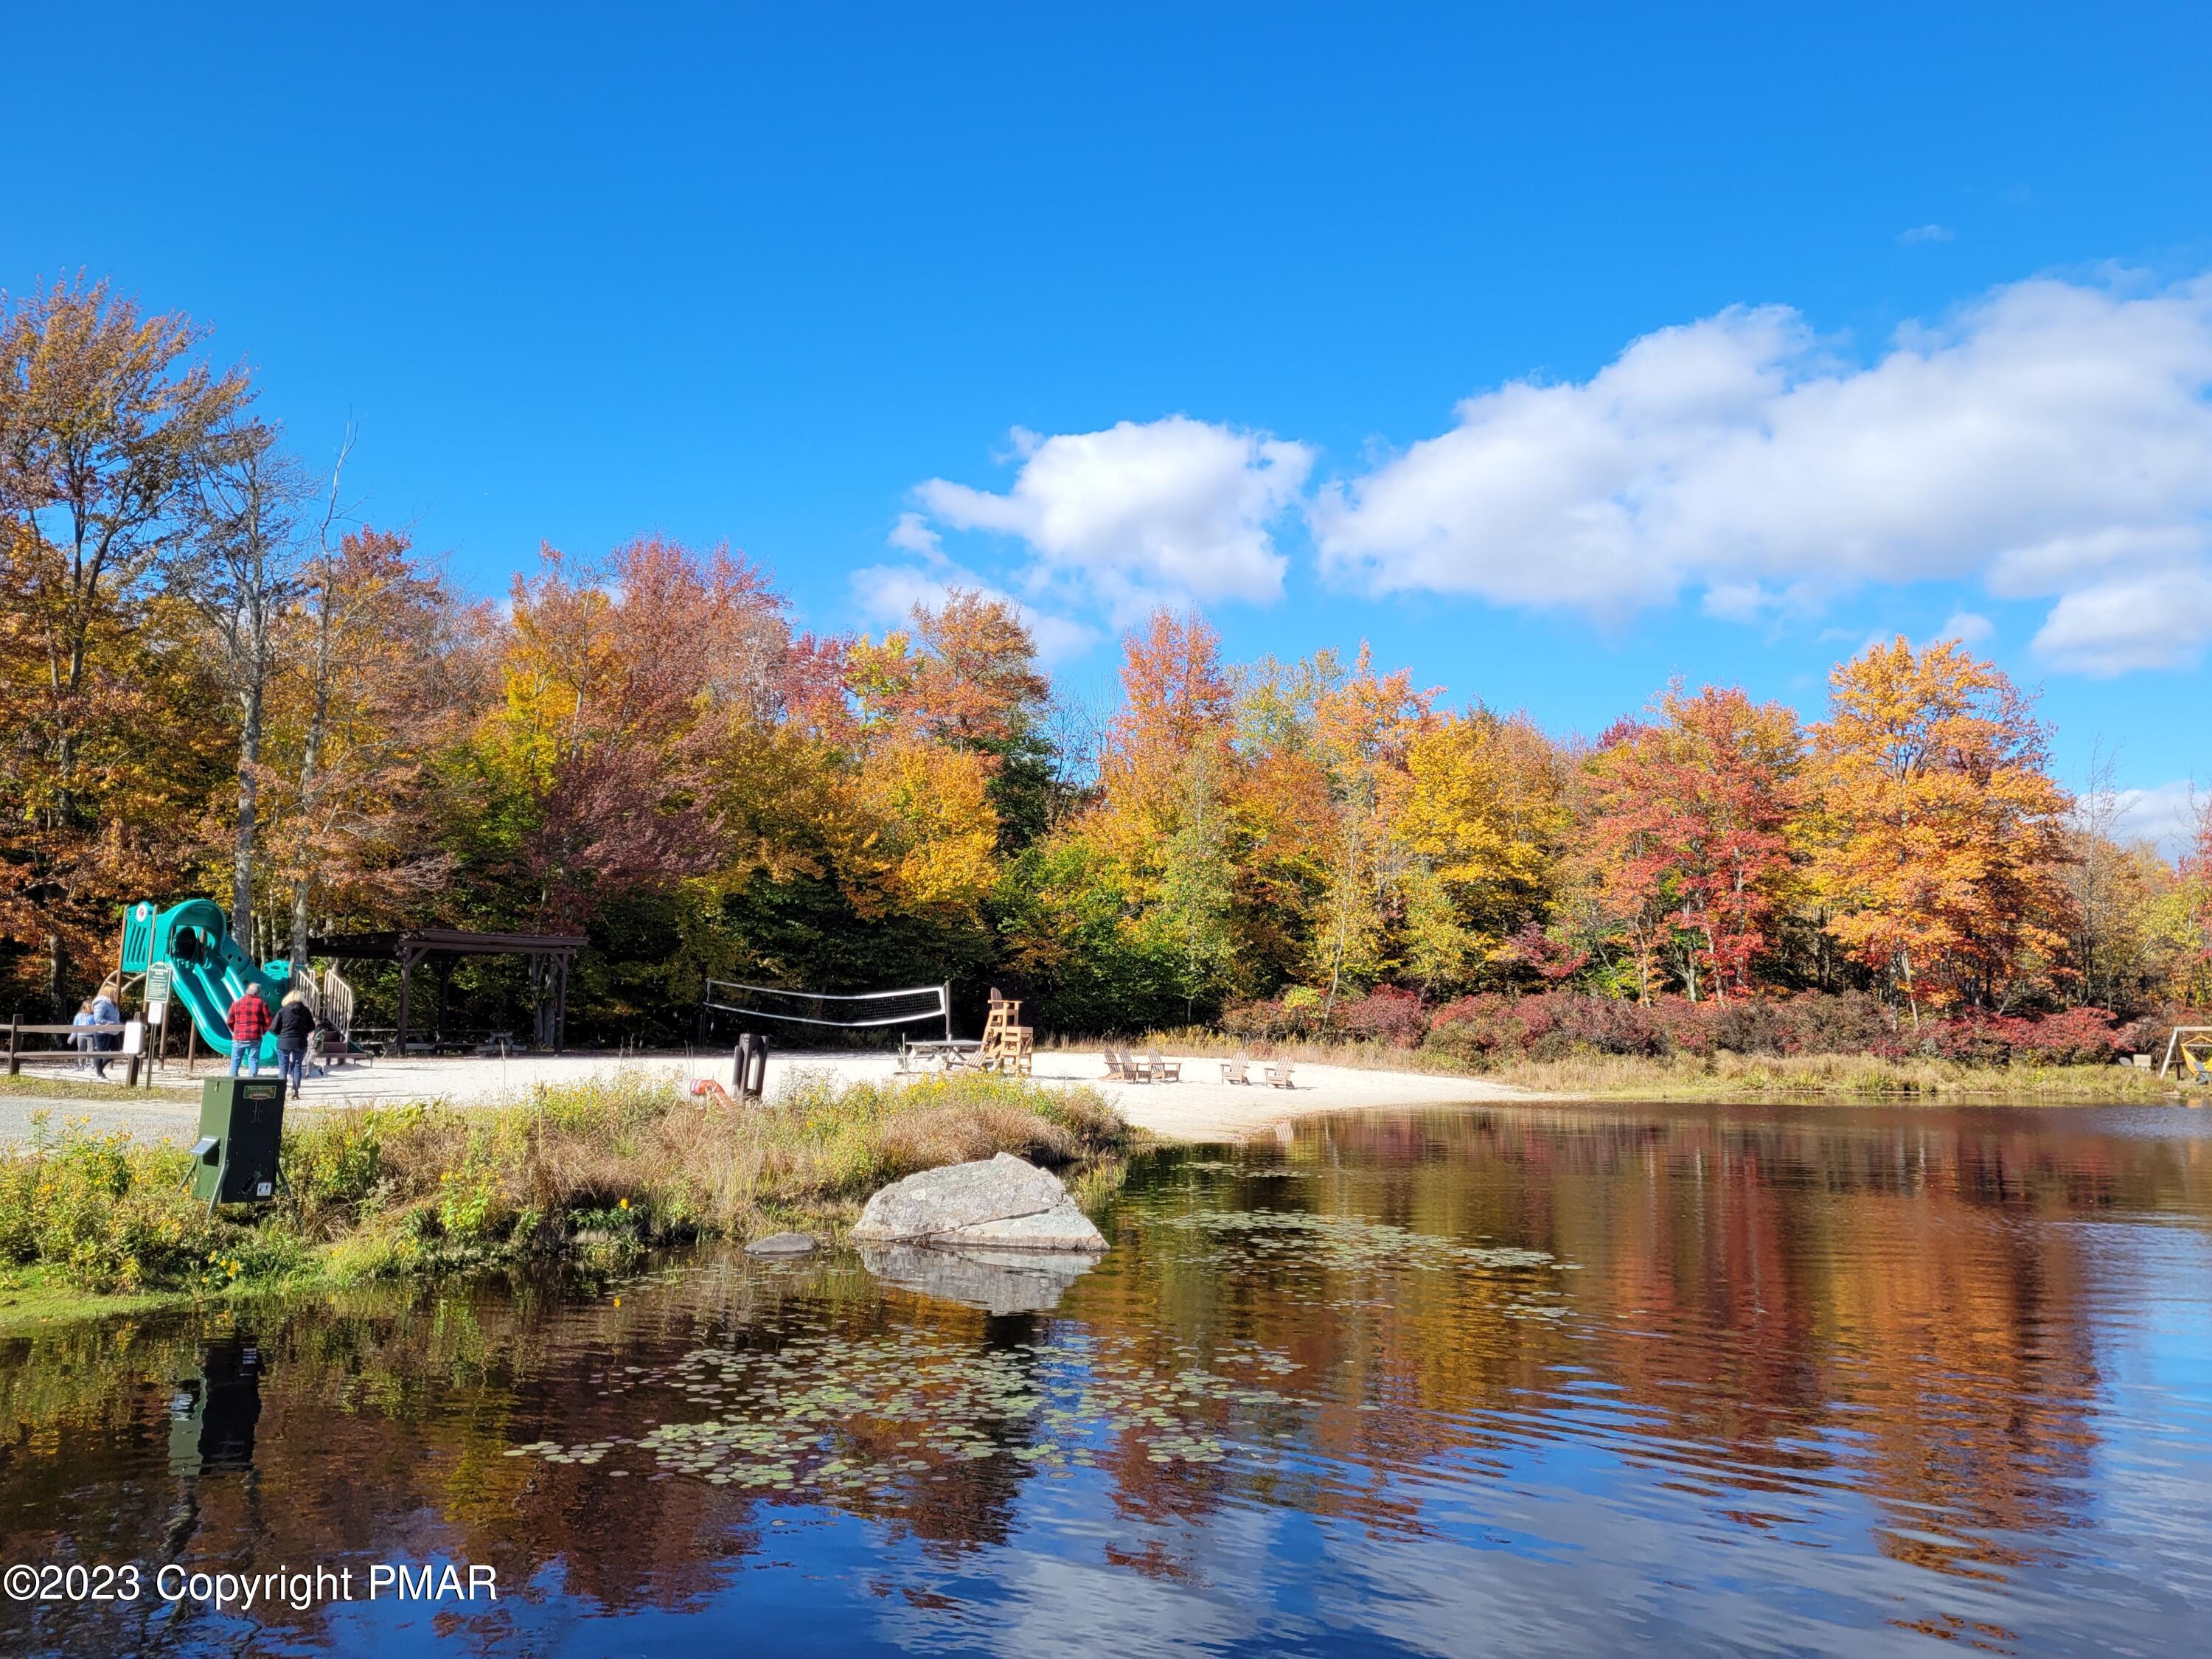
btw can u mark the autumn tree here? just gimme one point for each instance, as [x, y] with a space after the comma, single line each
[1167, 780]
[239, 568]
[2184, 920]
[1364, 727]
[1939, 834]
[965, 677]
[105, 422]
[383, 670]
[620, 684]
[1484, 819]
[1687, 834]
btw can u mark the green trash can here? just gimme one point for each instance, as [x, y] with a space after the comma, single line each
[241, 1132]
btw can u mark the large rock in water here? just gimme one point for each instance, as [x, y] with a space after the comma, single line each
[999, 1281]
[1001, 1202]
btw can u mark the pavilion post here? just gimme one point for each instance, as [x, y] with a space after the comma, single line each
[406, 970]
[443, 967]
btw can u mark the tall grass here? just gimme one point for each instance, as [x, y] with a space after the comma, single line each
[614, 1162]
[1725, 1075]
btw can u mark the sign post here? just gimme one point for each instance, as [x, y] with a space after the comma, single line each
[158, 977]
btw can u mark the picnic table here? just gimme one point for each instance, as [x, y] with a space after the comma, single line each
[946, 1052]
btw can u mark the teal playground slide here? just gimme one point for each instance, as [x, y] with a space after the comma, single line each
[208, 970]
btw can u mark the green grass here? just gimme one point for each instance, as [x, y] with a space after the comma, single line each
[600, 1169]
[50, 1085]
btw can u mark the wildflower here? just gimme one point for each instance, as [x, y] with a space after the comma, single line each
[624, 1204]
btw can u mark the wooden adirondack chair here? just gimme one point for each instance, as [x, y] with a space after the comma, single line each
[1163, 1070]
[1278, 1075]
[1238, 1070]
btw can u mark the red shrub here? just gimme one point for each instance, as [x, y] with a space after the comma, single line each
[1491, 1025]
[2150, 1033]
[1271, 1020]
[2078, 1036]
[1383, 1015]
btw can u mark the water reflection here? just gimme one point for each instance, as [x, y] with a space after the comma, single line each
[1431, 1382]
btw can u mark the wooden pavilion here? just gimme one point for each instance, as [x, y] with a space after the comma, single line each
[551, 956]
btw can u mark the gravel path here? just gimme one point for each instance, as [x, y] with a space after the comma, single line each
[1202, 1107]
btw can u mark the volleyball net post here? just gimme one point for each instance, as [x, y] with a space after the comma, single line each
[843, 1010]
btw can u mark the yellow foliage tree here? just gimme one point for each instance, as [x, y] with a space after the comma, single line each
[1484, 815]
[924, 833]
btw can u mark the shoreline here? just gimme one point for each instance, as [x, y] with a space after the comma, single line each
[1197, 1109]
[497, 1098]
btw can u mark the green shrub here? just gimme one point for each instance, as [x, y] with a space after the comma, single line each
[106, 1213]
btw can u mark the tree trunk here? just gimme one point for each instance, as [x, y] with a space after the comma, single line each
[249, 782]
[56, 968]
[303, 885]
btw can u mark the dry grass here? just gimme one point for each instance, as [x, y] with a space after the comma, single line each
[624, 1159]
[1752, 1077]
[1198, 1041]
[1689, 1077]
[606, 1166]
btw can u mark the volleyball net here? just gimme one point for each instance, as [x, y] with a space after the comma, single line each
[834, 1010]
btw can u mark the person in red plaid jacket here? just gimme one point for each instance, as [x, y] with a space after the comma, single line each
[249, 1021]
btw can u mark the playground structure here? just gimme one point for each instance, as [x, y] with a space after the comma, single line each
[206, 969]
[189, 946]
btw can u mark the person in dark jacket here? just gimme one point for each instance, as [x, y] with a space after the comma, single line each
[295, 1023]
[249, 1023]
[106, 1010]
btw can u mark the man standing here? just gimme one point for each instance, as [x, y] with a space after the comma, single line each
[249, 1021]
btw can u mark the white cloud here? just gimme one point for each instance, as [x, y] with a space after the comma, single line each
[912, 534]
[2052, 440]
[2152, 620]
[1967, 627]
[887, 594]
[1174, 509]
[1920, 233]
[2165, 814]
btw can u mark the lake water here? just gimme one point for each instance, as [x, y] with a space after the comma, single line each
[1525, 1380]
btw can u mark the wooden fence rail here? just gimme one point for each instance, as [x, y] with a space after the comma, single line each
[132, 1058]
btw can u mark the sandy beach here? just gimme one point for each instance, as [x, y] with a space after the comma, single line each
[1200, 1106]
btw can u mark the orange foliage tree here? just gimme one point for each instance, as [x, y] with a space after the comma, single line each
[105, 422]
[1938, 834]
[1687, 835]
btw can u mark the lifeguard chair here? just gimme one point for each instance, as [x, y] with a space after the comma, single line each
[1009, 1046]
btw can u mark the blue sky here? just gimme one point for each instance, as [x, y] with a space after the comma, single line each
[1555, 350]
